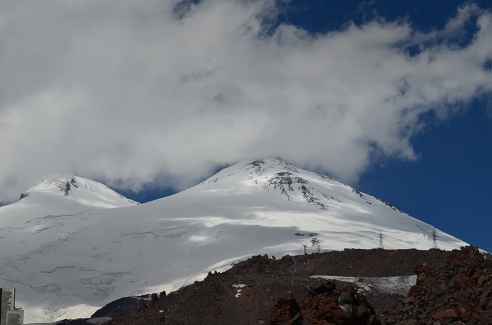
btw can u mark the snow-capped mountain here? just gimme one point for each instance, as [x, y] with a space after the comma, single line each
[53, 190]
[67, 253]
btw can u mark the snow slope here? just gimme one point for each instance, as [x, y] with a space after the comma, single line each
[69, 255]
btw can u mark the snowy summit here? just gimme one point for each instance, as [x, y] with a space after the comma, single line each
[77, 189]
[69, 254]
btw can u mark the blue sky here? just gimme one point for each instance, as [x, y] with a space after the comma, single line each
[151, 97]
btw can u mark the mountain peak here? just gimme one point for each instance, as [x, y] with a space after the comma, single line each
[63, 182]
[255, 168]
[65, 254]
[77, 189]
[279, 177]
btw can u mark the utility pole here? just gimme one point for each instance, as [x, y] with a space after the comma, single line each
[305, 253]
[293, 270]
[381, 240]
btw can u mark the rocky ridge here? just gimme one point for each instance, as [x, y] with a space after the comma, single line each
[267, 290]
[451, 288]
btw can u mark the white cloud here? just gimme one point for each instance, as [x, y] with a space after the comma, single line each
[128, 92]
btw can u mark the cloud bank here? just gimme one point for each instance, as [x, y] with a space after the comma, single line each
[148, 91]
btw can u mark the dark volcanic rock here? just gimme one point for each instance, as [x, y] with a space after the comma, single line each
[253, 291]
[285, 311]
[329, 305]
[117, 307]
[23, 195]
[458, 293]
[324, 304]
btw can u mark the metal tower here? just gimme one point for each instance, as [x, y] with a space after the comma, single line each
[381, 246]
[434, 236]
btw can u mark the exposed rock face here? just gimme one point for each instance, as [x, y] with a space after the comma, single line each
[23, 195]
[459, 293]
[325, 304]
[286, 311]
[321, 306]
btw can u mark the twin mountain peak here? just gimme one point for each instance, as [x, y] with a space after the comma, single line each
[271, 175]
[73, 244]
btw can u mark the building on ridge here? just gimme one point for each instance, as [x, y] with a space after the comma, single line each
[9, 315]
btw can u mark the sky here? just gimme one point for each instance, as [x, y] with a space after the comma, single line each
[153, 96]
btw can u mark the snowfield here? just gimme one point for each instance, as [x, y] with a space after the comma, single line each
[394, 285]
[71, 245]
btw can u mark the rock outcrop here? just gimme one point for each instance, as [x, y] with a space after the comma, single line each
[458, 293]
[324, 304]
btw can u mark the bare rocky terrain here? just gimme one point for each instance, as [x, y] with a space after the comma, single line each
[452, 288]
[458, 293]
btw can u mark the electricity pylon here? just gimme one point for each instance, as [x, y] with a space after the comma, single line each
[381, 246]
[434, 236]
